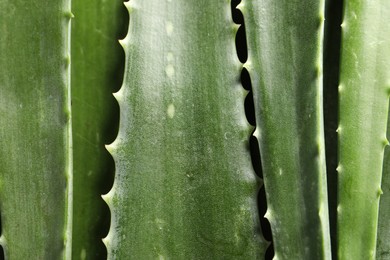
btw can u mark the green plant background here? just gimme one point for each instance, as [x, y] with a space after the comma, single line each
[179, 167]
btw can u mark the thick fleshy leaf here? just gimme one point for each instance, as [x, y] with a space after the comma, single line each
[35, 131]
[184, 185]
[363, 94]
[285, 65]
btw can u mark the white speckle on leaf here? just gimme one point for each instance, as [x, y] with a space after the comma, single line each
[169, 28]
[171, 110]
[170, 57]
[169, 70]
[160, 223]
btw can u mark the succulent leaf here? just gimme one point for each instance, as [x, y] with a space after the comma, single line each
[35, 132]
[363, 94]
[285, 65]
[184, 185]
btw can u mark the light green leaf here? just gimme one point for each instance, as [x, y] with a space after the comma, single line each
[364, 89]
[285, 64]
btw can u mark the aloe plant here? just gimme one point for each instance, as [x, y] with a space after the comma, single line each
[287, 88]
[364, 92]
[35, 134]
[183, 183]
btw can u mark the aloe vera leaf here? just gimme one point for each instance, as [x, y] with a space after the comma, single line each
[184, 186]
[96, 65]
[383, 236]
[285, 64]
[35, 132]
[363, 94]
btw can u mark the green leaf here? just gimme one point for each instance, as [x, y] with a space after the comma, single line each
[363, 91]
[184, 185]
[383, 235]
[35, 132]
[96, 72]
[285, 64]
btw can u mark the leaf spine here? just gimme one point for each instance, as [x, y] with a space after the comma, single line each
[341, 88]
[235, 28]
[110, 148]
[67, 60]
[108, 197]
[2, 240]
[385, 142]
[69, 15]
[248, 65]
[241, 6]
[129, 6]
[380, 191]
[268, 215]
[257, 133]
[123, 44]
[119, 95]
